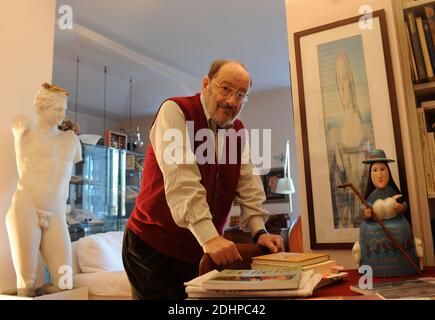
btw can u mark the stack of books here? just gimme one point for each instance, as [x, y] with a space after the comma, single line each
[319, 263]
[253, 284]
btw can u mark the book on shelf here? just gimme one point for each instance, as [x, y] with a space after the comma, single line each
[429, 43]
[307, 283]
[403, 289]
[424, 48]
[431, 140]
[424, 142]
[414, 72]
[429, 12]
[429, 114]
[294, 259]
[324, 267]
[230, 279]
[416, 46]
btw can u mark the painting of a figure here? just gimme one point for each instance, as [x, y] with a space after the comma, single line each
[347, 121]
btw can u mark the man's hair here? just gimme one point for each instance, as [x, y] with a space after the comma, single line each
[49, 94]
[218, 64]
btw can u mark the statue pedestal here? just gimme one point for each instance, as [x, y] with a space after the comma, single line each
[74, 294]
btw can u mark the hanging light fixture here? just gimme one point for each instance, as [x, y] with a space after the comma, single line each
[104, 101]
[129, 124]
[285, 184]
[90, 139]
[77, 89]
[138, 142]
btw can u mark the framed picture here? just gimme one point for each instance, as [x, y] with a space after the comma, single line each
[347, 107]
[270, 182]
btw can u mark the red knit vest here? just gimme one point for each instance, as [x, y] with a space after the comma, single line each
[151, 218]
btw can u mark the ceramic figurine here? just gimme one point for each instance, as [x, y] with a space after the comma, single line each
[374, 247]
[36, 218]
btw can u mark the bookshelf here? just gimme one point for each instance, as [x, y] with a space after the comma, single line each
[416, 92]
[416, 5]
[424, 90]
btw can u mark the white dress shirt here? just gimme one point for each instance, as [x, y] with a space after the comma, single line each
[185, 195]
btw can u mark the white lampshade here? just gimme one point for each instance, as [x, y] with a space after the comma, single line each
[285, 186]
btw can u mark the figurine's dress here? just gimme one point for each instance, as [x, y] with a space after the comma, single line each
[377, 250]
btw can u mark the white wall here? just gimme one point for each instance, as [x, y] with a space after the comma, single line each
[306, 14]
[26, 56]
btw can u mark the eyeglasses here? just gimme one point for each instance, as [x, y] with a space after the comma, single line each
[227, 91]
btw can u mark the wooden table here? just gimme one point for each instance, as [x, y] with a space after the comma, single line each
[342, 288]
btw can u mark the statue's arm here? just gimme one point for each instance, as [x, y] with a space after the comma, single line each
[20, 124]
[78, 149]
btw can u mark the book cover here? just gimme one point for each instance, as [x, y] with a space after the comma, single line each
[324, 268]
[292, 258]
[406, 289]
[308, 281]
[229, 279]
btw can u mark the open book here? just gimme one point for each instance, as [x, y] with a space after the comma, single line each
[229, 279]
[307, 283]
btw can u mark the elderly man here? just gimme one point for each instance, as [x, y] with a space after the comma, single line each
[182, 207]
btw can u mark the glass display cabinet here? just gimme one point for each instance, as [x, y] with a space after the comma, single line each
[131, 176]
[103, 190]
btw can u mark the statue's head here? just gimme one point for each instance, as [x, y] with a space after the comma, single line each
[50, 103]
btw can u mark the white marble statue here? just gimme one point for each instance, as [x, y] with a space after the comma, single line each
[36, 218]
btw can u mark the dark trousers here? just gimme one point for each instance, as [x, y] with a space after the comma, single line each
[153, 275]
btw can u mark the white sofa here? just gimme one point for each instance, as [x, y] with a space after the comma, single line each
[97, 264]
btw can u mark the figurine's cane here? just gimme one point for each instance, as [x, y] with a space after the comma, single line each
[379, 221]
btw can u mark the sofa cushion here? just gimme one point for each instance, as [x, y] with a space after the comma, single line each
[75, 262]
[100, 252]
[114, 284]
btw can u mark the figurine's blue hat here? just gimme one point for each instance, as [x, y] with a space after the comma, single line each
[377, 155]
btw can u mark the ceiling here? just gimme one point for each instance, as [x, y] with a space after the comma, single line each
[166, 47]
